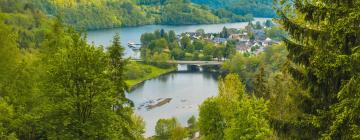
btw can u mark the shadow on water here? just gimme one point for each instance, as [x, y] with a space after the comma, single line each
[209, 73]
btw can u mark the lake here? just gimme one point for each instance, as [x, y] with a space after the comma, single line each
[187, 90]
[133, 34]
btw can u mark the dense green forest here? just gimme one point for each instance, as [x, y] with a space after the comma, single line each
[98, 14]
[257, 8]
[54, 85]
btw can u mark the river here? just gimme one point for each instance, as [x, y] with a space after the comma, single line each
[187, 90]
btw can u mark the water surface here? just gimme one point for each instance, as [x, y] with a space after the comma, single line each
[186, 89]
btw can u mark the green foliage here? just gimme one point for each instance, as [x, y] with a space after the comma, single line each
[272, 59]
[179, 12]
[324, 56]
[234, 114]
[165, 128]
[260, 83]
[257, 8]
[134, 70]
[211, 124]
[56, 86]
[269, 23]
[179, 133]
[99, 14]
[161, 60]
[275, 33]
[85, 101]
[228, 16]
[186, 48]
[192, 126]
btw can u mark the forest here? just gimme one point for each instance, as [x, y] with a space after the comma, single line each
[100, 14]
[54, 85]
[257, 8]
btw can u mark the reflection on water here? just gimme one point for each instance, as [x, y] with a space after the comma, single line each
[187, 91]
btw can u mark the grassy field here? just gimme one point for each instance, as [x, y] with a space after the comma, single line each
[155, 72]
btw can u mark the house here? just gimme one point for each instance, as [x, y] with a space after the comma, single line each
[193, 35]
[268, 42]
[259, 34]
[257, 44]
[243, 46]
[239, 37]
[219, 40]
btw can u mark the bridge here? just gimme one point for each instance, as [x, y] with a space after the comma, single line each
[199, 63]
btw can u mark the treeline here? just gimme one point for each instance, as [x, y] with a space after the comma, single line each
[257, 8]
[99, 14]
[53, 85]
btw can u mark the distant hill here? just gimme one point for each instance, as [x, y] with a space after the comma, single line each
[257, 8]
[100, 14]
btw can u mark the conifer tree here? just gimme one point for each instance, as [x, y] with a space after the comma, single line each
[261, 89]
[324, 53]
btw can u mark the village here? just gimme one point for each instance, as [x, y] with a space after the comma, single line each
[252, 40]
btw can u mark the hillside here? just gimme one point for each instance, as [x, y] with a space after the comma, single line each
[257, 8]
[99, 14]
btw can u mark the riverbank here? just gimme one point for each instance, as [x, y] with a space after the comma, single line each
[154, 72]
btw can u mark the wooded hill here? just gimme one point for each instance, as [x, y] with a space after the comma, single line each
[98, 14]
[257, 8]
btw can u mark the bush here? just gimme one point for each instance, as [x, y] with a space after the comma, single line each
[134, 70]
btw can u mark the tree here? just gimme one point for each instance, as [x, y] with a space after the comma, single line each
[268, 23]
[161, 60]
[324, 58]
[186, 43]
[21, 78]
[172, 36]
[260, 85]
[211, 123]
[219, 52]
[177, 53]
[158, 46]
[201, 32]
[276, 33]
[209, 50]
[7, 114]
[179, 133]
[85, 87]
[251, 36]
[258, 25]
[192, 126]
[116, 52]
[198, 44]
[165, 127]
[230, 49]
[224, 33]
[146, 39]
[233, 114]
